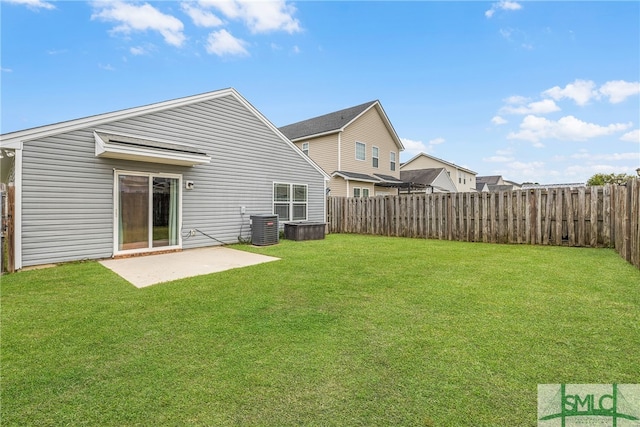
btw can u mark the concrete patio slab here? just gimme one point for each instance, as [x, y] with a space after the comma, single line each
[149, 270]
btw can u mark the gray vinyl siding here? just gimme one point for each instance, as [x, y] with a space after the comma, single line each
[67, 192]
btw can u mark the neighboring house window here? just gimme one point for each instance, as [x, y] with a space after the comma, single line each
[305, 148]
[392, 164]
[361, 150]
[290, 201]
[374, 156]
[360, 192]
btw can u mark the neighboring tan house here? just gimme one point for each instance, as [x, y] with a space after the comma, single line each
[463, 178]
[497, 183]
[435, 180]
[174, 175]
[357, 147]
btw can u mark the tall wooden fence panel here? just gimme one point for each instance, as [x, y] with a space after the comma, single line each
[606, 216]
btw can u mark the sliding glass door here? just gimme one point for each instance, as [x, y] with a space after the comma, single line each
[147, 211]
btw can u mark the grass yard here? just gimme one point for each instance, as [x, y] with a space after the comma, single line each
[350, 330]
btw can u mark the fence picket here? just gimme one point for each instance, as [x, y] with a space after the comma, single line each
[606, 216]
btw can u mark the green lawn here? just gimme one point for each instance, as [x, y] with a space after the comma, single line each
[350, 330]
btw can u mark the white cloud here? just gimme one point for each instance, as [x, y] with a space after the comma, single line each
[525, 169]
[201, 17]
[133, 17]
[619, 90]
[259, 16]
[222, 43]
[581, 91]
[516, 99]
[33, 4]
[502, 5]
[633, 136]
[583, 170]
[497, 120]
[606, 157]
[538, 107]
[296, 50]
[412, 147]
[568, 128]
[137, 50]
[498, 159]
[107, 67]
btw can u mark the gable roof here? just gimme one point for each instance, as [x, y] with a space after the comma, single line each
[489, 179]
[421, 176]
[376, 178]
[417, 156]
[336, 122]
[481, 186]
[14, 140]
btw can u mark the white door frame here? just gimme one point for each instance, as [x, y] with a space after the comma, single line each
[116, 204]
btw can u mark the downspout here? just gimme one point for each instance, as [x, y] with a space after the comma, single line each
[339, 149]
[17, 220]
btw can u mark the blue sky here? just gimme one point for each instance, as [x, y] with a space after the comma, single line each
[542, 92]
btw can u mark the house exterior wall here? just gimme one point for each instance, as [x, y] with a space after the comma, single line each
[324, 151]
[423, 162]
[67, 192]
[463, 180]
[339, 187]
[337, 152]
[370, 130]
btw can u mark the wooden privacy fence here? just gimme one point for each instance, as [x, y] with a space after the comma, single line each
[607, 216]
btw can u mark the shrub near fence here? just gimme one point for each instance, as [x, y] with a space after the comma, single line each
[606, 216]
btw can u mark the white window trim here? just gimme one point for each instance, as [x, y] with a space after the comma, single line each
[359, 192]
[362, 193]
[393, 161]
[290, 202]
[373, 149]
[365, 152]
[307, 149]
[116, 199]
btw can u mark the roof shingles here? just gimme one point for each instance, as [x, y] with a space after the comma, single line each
[325, 123]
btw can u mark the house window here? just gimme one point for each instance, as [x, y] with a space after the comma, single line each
[360, 192]
[290, 201]
[374, 156]
[392, 158]
[305, 148]
[361, 150]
